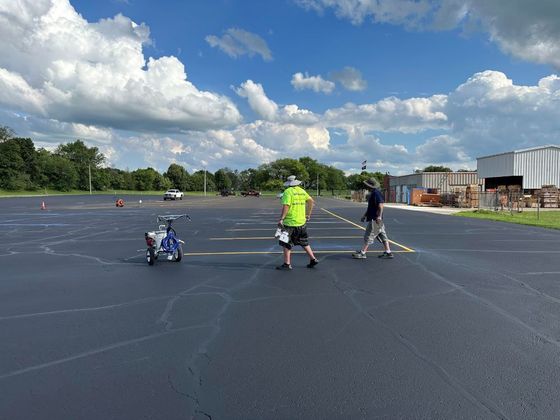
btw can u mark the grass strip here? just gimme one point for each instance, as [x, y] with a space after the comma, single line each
[547, 219]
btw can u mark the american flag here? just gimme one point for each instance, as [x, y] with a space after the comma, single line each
[364, 165]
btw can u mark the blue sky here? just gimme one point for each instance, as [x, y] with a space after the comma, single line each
[402, 83]
[393, 60]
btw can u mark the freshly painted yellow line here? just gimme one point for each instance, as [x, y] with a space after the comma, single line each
[363, 228]
[201, 254]
[342, 218]
[273, 224]
[259, 238]
[407, 249]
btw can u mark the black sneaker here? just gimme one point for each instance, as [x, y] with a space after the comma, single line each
[313, 263]
[284, 267]
[359, 255]
[386, 255]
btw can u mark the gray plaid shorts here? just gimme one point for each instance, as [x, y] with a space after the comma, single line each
[373, 229]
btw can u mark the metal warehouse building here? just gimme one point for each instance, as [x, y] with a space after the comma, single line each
[530, 168]
[401, 186]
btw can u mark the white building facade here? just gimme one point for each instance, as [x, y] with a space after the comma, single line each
[530, 168]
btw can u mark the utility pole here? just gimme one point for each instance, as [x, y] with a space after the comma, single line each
[317, 184]
[89, 168]
[204, 182]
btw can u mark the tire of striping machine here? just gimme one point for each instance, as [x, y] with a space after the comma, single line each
[150, 256]
[178, 254]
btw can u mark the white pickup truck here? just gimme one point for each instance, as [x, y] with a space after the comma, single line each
[172, 195]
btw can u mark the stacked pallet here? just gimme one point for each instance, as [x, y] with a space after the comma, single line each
[515, 193]
[549, 196]
[530, 201]
[471, 195]
[449, 199]
[416, 196]
[459, 197]
[358, 196]
[503, 198]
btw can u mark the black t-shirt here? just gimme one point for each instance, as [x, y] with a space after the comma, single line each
[375, 198]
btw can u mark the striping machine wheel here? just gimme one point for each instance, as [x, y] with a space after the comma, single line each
[178, 254]
[150, 256]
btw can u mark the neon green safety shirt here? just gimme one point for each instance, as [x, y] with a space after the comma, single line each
[295, 197]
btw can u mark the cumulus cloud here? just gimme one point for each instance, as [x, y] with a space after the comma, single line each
[63, 78]
[50, 132]
[524, 28]
[283, 137]
[486, 114]
[295, 115]
[237, 42]
[392, 115]
[442, 148]
[397, 159]
[269, 110]
[249, 145]
[350, 78]
[55, 64]
[302, 81]
[371, 145]
[388, 11]
[489, 113]
[258, 101]
[154, 151]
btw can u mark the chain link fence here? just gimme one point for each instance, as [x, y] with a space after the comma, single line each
[512, 201]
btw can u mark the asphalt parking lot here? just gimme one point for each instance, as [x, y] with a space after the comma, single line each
[464, 322]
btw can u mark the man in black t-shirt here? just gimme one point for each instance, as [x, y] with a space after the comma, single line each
[374, 217]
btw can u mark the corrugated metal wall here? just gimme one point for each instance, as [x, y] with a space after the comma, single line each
[403, 185]
[412, 179]
[464, 178]
[495, 166]
[433, 179]
[538, 167]
[443, 181]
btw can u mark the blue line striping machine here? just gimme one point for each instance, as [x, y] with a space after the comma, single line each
[164, 241]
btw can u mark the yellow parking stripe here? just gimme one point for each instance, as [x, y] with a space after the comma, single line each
[342, 218]
[363, 228]
[338, 251]
[268, 229]
[259, 238]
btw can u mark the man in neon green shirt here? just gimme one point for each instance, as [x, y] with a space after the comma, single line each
[297, 206]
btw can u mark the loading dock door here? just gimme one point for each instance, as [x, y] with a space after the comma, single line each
[493, 183]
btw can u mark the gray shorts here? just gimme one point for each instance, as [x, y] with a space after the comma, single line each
[373, 229]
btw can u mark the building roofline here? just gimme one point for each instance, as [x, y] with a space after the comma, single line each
[440, 173]
[530, 149]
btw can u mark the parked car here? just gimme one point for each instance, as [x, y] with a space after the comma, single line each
[226, 192]
[251, 193]
[172, 194]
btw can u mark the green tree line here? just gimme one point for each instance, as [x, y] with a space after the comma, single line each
[69, 166]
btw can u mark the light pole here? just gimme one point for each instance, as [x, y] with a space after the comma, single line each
[89, 170]
[317, 184]
[204, 182]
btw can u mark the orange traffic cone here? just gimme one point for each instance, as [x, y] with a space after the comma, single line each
[43, 206]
